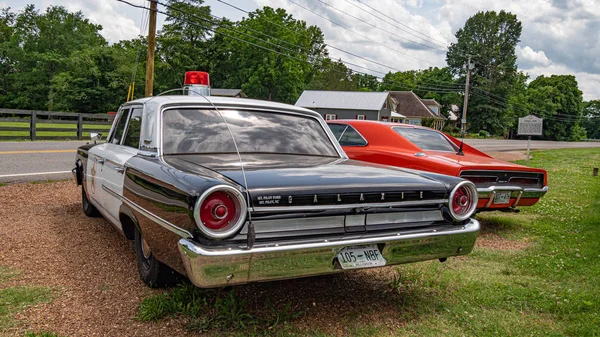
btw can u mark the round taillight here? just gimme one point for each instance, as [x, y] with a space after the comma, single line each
[220, 211]
[463, 200]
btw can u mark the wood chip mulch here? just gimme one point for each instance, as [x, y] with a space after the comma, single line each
[45, 235]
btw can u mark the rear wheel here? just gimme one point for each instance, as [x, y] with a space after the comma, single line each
[89, 209]
[153, 272]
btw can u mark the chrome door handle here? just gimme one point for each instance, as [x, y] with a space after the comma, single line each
[99, 161]
[120, 169]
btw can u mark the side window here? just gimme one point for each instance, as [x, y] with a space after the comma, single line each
[119, 127]
[337, 130]
[351, 137]
[132, 137]
[346, 135]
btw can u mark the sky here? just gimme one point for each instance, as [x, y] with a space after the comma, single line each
[559, 36]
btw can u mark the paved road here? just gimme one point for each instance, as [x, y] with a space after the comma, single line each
[40, 161]
[37, 161]
[490, 145]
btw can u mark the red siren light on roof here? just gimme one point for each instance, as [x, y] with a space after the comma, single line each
[196, 78]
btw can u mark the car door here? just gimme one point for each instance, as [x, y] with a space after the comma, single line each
[117, 154]
[94, 178]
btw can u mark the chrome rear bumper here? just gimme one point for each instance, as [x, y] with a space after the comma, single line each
[213, 267]
[516, 192]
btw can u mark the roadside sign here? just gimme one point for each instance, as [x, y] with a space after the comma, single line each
[530, 126]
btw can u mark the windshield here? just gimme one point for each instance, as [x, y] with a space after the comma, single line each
[426, 139]
[203, 131]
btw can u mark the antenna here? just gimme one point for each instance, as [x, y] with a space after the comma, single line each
[251, 231]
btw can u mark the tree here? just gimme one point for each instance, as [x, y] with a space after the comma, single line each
[591, 118]
[262, 73]
[490, 38]
[365, 82]
[439, 78]
[182, 43]
[399, 81]
[333, 75]
[558, 99]
[38, 49]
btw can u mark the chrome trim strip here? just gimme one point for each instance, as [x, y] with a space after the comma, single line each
[193, 247]
[282, 209]
[296, 224]
[160, 221]
[403, 217]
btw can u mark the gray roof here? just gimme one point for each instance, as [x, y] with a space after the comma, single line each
[226, 92]
[349, 100]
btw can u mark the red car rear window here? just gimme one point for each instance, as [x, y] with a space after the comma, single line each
[426, 139]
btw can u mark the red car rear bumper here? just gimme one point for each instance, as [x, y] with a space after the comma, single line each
[490, 197]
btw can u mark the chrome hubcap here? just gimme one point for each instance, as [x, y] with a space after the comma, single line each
[146, 249]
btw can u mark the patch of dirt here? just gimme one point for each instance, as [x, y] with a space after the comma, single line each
[46, 236]
[495, 241]
[509, 155]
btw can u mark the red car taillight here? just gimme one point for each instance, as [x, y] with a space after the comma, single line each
[220, 211]
[463, 200]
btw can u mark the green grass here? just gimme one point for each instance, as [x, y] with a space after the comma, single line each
[549, 286]
[17, 298]
[101, 128]
[214, 310]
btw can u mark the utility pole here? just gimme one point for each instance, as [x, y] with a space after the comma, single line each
[151, 47]
[463, 127]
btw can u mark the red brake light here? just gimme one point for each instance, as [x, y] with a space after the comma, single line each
[463, 200]
[217, 210]
[196, 77]
[220, 212]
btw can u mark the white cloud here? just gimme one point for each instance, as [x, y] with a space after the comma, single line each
[536, 57]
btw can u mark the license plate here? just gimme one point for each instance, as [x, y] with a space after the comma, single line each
[502, 198]
[366, 256]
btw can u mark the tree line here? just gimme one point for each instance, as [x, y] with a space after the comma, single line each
[58, 60]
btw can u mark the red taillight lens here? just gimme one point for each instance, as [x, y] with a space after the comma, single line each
[463, 200]
[217, 210]
[220, 211]
[196, 77]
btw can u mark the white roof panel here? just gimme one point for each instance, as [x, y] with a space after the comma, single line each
[350, 100]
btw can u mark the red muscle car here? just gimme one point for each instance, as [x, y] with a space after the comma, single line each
[501, 185]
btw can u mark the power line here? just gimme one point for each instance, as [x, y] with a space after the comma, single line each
[359, 34]
[377, 27]
[558, 118]
[428, 82]
[416, 86]
[374, 9]
[438, 90]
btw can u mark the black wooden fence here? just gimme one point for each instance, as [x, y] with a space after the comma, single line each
[82, 120]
